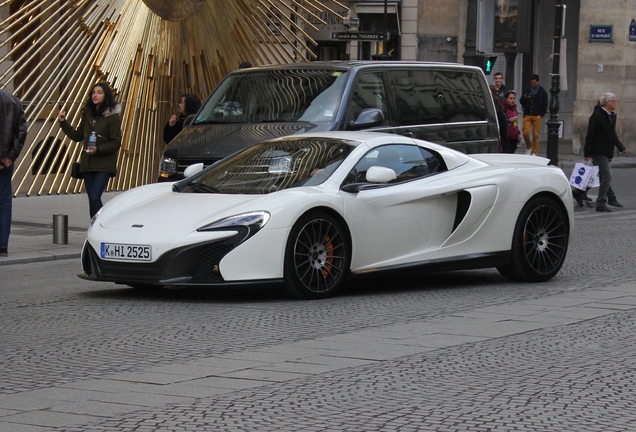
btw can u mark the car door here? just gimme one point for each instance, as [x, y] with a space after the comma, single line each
[367, 91]
[406, 220]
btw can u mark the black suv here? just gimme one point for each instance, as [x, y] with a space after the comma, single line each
[449, 104]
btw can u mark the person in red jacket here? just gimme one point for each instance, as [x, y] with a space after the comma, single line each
[510, 104]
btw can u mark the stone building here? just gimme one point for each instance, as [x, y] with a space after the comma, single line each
[598, 47]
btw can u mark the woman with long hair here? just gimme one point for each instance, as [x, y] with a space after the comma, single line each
[189, 105]
[510, 105]
[100, 130]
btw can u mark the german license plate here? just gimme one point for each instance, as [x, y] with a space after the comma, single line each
[125, 251]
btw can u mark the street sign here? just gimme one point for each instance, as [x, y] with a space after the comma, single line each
[371, 36]
[601, 33]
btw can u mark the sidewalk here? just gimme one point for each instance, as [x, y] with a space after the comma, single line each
[32, 227]
[31, 237]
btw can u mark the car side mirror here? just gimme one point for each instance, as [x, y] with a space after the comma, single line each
[193, 169]
[368, 117]
[378, 174]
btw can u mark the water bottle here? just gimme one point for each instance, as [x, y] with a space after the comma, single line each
[92, 142]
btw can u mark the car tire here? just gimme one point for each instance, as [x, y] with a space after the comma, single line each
[317, 257]
[539, 242]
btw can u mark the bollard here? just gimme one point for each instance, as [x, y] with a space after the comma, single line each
[60, 229]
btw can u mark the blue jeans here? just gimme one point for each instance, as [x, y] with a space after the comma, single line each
[95, 183]
[6, 202]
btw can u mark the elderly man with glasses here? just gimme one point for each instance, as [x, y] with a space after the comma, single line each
[600, 141]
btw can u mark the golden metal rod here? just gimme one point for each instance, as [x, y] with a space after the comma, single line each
[316, 17]
[293, 24]
[81, 42]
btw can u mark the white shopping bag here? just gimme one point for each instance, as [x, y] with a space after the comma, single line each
[595, 179]
[584, 176]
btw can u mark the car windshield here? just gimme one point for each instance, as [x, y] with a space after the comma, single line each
[275, 96]
[273, 166]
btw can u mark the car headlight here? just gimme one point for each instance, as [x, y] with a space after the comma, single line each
[167, 167]
[246, 224]
[94, 218]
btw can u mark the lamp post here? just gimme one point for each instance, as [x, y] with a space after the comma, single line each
[553, 124]
[385, 54]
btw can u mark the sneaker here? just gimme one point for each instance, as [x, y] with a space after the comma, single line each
[528, 152]
[4, 253]
[584, 196]
[603, 208]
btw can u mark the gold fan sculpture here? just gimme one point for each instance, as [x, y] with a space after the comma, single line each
[150, 52]
[174, 10]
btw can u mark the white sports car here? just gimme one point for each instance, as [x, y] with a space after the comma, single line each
[310, 210]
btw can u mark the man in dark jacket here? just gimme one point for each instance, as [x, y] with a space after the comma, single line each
[535, 104]
[600, 141]
[13, 132]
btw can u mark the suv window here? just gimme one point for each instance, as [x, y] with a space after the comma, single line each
[368, 92]
[408, 161]
[275, 95]
[429, 96]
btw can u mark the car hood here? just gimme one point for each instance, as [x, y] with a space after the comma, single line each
[216, 141]
[157, 208]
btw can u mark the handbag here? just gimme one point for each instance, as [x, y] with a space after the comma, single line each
[584, 176]
[75, 171]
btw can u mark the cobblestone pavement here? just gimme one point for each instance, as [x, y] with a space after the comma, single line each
[550, 380]
[462, 351]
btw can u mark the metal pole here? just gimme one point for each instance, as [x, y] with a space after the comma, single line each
[386, 27]
[471, 33]
[553, 124]
[60, 229]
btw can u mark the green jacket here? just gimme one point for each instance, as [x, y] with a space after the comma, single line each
[108, 129]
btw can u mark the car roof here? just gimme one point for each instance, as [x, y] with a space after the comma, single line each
[356, 64]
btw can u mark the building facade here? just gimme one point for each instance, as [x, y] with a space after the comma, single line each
[597, 48]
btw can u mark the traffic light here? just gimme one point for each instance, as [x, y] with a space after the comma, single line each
[487, 63]
[490, 63]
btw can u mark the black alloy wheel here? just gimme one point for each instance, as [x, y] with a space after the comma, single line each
[540, 242]
[317, 257]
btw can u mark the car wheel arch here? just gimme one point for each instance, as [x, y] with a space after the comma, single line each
[300, 273]
[331, 212]
[520, 268]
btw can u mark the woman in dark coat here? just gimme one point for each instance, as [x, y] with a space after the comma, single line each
[101, 114]
[514, 135]
[189, 105]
